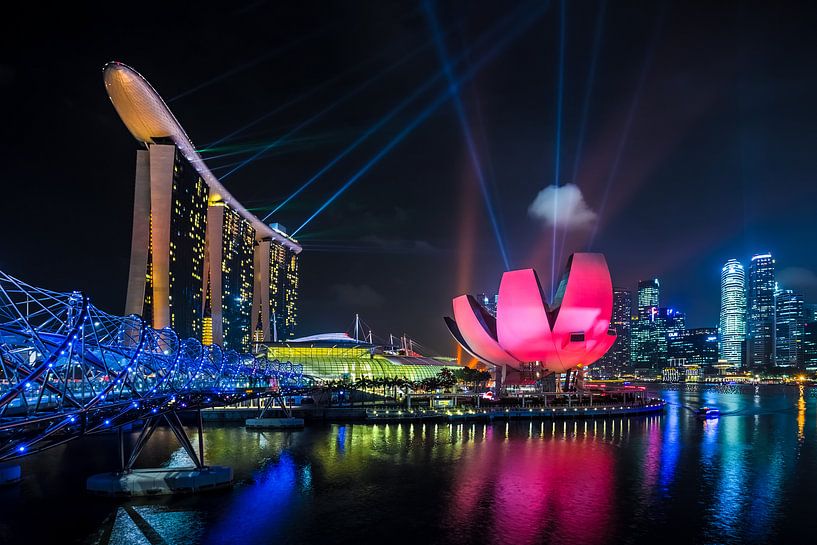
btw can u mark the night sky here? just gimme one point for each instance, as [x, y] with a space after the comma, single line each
[695, 143]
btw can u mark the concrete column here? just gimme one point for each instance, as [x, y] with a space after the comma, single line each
[215, 251]
[162, 158]
[140, 238]
[261, 283]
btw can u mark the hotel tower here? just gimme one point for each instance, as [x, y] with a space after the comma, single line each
[200, 262]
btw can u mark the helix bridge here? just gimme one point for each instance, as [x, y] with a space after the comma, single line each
[68, 369]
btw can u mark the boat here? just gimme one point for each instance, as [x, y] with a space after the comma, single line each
[709, 412]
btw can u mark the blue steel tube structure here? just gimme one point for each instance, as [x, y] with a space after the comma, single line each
[68, 369]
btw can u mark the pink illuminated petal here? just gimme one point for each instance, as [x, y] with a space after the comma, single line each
[522, 322]
[476, 331]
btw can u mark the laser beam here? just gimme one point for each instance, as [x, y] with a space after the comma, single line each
[498, 47]
[354, 92]
[588, 91]
[625, 133]
[591, 78]
[558, 151]
[386, 118]
[476, 164]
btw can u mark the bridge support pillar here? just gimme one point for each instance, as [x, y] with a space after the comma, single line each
[9, 474]
[288, 422]
[129, 482]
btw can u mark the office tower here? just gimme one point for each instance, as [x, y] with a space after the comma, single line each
[810, 345]
[618, 357]
[645, 345]
[733, 312]
[789, 329]
[489, 301]
[760, 311]
[809, 312]
[667, 322]
[648, 293]
[698, 346]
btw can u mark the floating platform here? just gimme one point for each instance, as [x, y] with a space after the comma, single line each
[515, 413]
[9, 474]
[160, 481]
[274, 423]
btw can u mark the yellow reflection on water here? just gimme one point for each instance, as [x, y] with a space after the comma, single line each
[801, 414]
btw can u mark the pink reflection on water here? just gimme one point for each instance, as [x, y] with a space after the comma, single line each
[529, 488]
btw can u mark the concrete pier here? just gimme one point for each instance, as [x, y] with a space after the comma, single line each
[160, 481]
[9, 474]
[274, 423]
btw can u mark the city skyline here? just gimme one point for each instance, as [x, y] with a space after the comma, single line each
[672, 209]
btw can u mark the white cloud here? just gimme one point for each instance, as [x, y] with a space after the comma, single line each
[562, 206]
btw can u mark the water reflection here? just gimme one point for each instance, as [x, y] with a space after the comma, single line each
[746, 477]
[539, 482]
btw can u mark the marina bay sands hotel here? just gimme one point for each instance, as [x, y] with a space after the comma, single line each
[200, 262]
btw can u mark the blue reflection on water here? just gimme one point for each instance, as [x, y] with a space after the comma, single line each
[341, 439]
[256, 511]
[671, 448]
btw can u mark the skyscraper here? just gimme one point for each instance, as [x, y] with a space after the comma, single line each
[489, 301]
[165, 283]
[618, 357]
[789, 329]
[733, 312]
[760, 311]
[198, 256]
[667, 323]
[645, 345]
[648, 293]
[810, 346]
[697, 346]
[229, 271]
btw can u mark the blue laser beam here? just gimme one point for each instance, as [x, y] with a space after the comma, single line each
[377, 157]
[591, 78]
[354, 92]
[558, 151]
[476, 163]
[498, 47]
[625, 133]
[422, 89]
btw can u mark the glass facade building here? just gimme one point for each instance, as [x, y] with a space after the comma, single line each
[618, 357]
[789, 329]
[733, 312]
[489, 301]
[283, 287]
[187, 232]
[697, 346]
[238, 239]
[645, 346]
[810, 345]
[648, 293]
[760, 311]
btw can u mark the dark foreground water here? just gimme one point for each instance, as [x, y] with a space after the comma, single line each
[749, 477]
